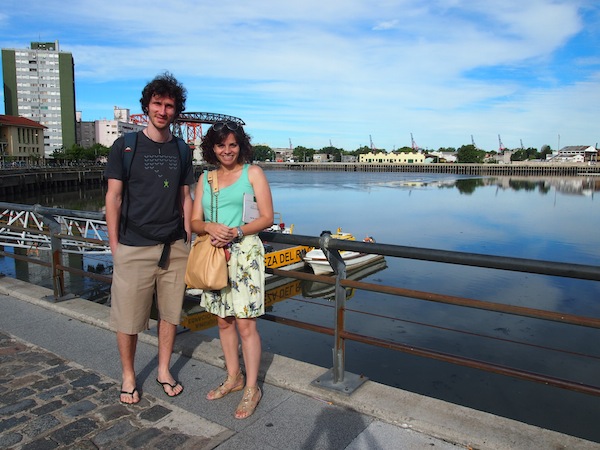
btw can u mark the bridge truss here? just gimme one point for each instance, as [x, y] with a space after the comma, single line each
[32, 231]
[188, 125]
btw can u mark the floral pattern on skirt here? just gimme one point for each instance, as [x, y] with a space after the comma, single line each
[244, 296]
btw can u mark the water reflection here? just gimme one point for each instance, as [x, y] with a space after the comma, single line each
[279, 289]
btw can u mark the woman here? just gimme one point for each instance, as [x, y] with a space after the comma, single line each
[220, 215]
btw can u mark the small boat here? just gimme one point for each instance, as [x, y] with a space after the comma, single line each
[317, 260]
[317, 289]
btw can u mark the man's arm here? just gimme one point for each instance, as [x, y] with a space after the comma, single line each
[114, 199]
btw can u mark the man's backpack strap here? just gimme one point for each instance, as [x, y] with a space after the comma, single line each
[128, 152]
[184, 155]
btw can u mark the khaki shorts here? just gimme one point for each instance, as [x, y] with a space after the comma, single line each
[136, 277]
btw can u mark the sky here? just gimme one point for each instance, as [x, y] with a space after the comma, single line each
[346, 73]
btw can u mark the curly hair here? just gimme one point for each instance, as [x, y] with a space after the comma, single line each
[165, 85]
[216, 136]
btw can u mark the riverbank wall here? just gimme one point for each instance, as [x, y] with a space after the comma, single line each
[39, 179]
[521, 169]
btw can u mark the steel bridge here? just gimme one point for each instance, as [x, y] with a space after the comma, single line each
[188, 125]
[32, 227]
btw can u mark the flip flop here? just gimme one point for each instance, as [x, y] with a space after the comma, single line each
[172, 386]
[132, 394]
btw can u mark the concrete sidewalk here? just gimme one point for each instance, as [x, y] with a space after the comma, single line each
[60, 377]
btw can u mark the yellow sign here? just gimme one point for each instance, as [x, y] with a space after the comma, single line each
[283, 292]
[287, 256]
[199, 321]
[204, 320]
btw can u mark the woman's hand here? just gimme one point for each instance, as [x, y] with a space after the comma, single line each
[220, 235]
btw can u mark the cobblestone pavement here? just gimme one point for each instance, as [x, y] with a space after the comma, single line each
[47, 402]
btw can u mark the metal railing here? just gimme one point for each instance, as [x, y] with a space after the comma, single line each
[337, 378]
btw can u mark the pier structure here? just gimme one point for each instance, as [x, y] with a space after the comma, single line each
[525, 169]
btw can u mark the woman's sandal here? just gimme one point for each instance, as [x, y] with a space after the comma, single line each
[246, 407]
[231, 384]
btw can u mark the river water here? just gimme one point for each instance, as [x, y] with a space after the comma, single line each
[554, 219]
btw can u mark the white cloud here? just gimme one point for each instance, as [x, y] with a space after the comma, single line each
[347, 69]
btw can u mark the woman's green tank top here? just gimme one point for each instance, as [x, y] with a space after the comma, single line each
[230, 200]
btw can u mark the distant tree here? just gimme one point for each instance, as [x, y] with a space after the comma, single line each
[361, 151]
[70, 155]
[262, 152]
[524, 154]
[100, 150]
[303, 154]
[404, 149]
[59, 155]
[336, 153]
[470, 154]
[546, 150]
[75, 153]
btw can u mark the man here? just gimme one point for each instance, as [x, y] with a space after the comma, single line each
[148, 217]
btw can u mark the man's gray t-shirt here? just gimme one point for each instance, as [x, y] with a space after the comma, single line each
[151, 199]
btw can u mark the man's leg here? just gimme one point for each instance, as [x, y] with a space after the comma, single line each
[166, 341]
[127, 344]
[170, 289]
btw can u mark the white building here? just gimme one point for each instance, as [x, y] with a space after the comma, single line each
[575, 153]
[448, 157]
[392, 158]
[107, 131]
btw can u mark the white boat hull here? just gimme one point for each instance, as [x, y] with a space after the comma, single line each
[320, 266]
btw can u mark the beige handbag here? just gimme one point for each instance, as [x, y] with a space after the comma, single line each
[207, 265]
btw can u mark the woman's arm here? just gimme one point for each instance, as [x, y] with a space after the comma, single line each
[186, 205]
[264, 201]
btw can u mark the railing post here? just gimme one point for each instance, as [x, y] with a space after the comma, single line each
[58, 276]
[337, 378]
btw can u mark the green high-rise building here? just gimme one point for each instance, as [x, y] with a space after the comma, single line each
[39, 84]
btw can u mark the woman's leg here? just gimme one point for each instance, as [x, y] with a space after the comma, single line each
[229, 344]
[251, 349]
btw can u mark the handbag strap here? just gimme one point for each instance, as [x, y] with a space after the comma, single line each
[213, 181]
